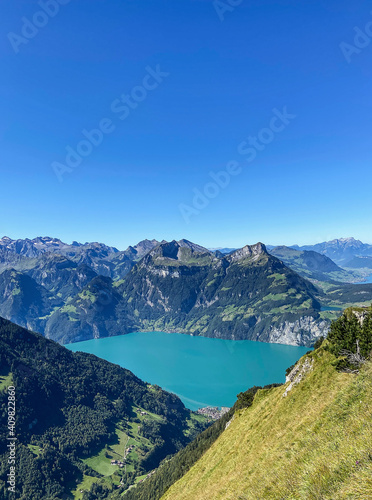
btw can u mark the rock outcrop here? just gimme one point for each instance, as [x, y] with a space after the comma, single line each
[303, 331]
[297, 374]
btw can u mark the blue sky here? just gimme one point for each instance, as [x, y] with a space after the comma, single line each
[225, 73]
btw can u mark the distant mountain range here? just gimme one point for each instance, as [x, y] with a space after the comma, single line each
[340, 250]
[103, 259]
[81, 291]
[222, 250]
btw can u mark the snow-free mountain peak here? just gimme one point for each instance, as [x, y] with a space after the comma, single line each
[253, 252]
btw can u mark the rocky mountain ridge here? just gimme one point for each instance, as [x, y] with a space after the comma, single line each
[83, 291]
[185, 288]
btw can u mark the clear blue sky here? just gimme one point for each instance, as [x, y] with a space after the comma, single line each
[309, 183]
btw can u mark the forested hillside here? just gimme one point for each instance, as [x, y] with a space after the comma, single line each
[76, 413]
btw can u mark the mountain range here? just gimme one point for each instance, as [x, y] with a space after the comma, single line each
[81, 291]
[103, 259]
[341, 250]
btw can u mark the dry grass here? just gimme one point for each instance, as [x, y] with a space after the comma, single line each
[315, 444]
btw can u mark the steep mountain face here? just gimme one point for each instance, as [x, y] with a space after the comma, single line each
[8, 259]
[340, 250]
[95, 255]
[166, 282]
[142, 248]
[23, 301]
[29, 297]
[76, 413]
[77, 292]
[182, 287]
[92, 313]
[313, 265]
[61, 276]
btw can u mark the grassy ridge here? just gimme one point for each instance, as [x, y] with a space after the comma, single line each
[314, 444]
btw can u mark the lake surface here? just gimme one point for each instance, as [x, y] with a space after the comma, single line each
[201, 371]
[367, 280]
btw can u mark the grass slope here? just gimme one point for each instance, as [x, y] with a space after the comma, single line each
[316, 443]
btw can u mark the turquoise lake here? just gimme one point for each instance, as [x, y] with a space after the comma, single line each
[201, 371]
[368, 279]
